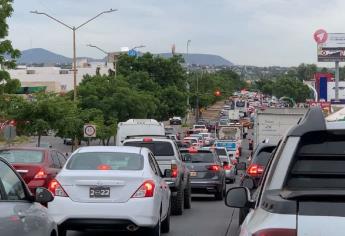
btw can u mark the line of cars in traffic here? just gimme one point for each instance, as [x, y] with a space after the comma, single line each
[133, 187]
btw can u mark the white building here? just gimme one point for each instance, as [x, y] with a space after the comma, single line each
[55, 78]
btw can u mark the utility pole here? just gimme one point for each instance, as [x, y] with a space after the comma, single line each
[74, 29]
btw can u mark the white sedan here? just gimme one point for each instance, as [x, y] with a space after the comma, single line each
[119, 188]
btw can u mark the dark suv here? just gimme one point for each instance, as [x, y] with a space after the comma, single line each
[258, 163]
[206, 172]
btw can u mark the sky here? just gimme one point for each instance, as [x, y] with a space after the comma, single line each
[246, 32]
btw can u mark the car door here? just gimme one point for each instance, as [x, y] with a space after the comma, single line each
[163, 188]
[19, 216]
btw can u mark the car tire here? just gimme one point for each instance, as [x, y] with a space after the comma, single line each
[188, 196]
[177, 203]
[62, 231]
[219, 196]
[155, 231]
[166, 222]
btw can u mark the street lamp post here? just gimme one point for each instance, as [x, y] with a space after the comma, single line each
[74, 29]
[100, 49]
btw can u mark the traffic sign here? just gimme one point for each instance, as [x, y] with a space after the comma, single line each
[320, 36]
[89, 131]
[132, 53]
[10, 132]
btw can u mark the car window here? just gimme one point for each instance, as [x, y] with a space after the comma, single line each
[221, 152]
[153, 167]
[22, 156]
[106, 161]
[12, 185]
[200, 157]
[157, 166]
[158, 148]
[263, 157]
[55, 159]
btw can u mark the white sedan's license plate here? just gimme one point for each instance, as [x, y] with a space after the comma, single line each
[99, 192]
[193, 174]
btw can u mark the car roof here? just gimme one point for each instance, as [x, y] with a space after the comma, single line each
[109, 149]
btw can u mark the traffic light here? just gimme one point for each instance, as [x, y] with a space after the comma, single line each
[217, 93]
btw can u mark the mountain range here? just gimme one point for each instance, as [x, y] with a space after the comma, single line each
[43, 56]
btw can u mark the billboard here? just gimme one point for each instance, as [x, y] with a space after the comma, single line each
[332, 48]
[331, 90]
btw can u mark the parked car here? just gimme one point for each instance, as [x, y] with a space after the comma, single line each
[120, 188]
[206, 172]
[37, 166]
[169, 157]
[229, 167]
[302, 190]
[20, 213]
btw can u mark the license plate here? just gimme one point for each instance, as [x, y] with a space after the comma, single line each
[99, 192]
[193, 174]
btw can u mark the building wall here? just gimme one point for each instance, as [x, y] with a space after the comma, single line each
[51, 77]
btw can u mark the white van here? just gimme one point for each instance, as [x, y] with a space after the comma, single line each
[138, 127]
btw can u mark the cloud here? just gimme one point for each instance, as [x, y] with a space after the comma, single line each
[256, 32]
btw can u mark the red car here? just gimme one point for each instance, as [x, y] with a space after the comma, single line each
[37, 166]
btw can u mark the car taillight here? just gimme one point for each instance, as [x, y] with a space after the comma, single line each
[214, 167]
[276, 232]
[174, 171]
[147, 189]
[41, 175]
[255, 170]
[227, 167]
[103, 167]
[56, 189]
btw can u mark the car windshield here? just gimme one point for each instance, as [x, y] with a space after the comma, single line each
[158, 148]
[200, 157]
[106, 160]
[22, 156]
[220, 152]
[262, 159]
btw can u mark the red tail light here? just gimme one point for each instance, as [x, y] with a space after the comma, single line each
[174, 171]
[40, 175]
[147, 189]
[103, 167]
[147, 140]
[214, 167]
[56, 189]
[276, 232]
[255, 170]
[227, 167]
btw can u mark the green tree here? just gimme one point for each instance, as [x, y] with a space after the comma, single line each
[8, 54]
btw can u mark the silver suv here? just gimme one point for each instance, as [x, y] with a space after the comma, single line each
[303, 188]
[172, 164]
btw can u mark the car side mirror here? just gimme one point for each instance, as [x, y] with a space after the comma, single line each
[43, 195]
[238, 197]
[167, 173]
[241, 166]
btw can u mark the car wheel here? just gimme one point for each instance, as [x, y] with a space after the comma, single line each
[220, 194]
[155, 231]
[188, 196]
[62, 231]
[166, 222]
[177, 203]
